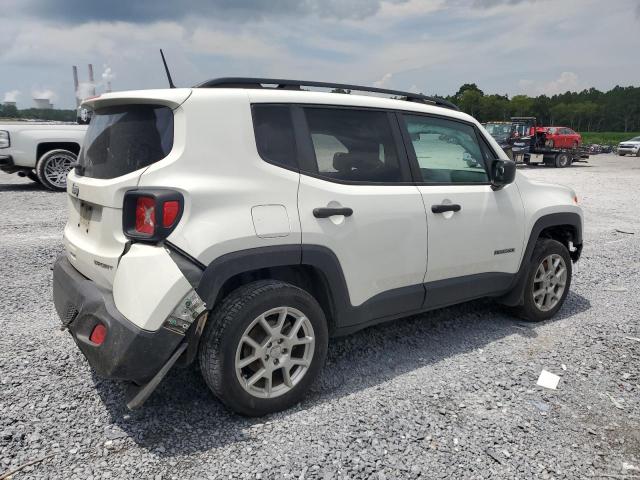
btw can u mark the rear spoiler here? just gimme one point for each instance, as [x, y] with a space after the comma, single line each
[173, 98]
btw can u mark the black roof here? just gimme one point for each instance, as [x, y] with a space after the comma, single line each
[283, 84]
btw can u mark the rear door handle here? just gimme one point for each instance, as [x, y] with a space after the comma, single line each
[446, 207]
[329, 212]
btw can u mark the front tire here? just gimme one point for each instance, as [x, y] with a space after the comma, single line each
[52, 169]
[548, 281]
[263, 347]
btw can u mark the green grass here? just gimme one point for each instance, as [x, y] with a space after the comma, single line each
[607, 138]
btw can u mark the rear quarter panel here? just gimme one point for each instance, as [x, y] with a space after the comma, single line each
[223, 179]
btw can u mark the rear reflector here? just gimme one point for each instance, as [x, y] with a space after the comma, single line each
[170, 211]
[98, 334]
[145, 215]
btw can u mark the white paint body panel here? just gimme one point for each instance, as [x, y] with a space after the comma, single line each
[463, 243]
[26, 136]
[540, 199]
[380, 247]
[222, 178]
[270, 221]
[148, 285]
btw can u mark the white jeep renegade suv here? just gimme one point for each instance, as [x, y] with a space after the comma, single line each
[243, 222]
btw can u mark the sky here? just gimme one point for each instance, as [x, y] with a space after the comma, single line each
[429, 46]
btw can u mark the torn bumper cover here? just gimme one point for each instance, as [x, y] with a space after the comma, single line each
[128, 352]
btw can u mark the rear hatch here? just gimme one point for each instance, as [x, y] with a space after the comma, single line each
[128, 132]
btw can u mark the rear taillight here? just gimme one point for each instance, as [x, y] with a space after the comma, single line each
[98, 334]
[145, 215]
[170, 212]
[151, 214]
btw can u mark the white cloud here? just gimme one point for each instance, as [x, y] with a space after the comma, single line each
[431, 46]
[384, 82]
[11, 96]
[567, 81]
[44, 93]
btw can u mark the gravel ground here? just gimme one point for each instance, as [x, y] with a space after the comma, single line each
[448, 394]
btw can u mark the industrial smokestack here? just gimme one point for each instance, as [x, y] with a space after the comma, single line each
[91, 80]
[76, 85]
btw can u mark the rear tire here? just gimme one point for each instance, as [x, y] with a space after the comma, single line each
[52, 169]
[563, 160]
[251, 357]
[548, 281]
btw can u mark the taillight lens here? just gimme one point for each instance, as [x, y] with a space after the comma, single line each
[170, 212]
[98, 334]
[151, 214]
[145, 215]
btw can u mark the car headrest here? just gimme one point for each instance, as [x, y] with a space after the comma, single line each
[346, 162]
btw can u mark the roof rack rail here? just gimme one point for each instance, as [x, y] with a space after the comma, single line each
[243, 82]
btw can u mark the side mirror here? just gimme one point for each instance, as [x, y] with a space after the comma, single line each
[503, 172]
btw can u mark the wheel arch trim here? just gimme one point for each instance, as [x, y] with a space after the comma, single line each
[557, 219]
[219, 271]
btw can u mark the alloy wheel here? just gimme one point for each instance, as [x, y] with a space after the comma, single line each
[57, 168]
[275, 352]
[549, 282]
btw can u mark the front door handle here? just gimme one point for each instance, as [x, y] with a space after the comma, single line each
[329, 212]
[446, 207]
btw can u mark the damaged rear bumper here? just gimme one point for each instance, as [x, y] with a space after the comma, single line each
[128, 352]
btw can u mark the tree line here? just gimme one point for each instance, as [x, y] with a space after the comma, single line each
[591, 110]
[617, 110]
[10, 111]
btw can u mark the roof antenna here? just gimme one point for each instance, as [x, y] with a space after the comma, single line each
[171, 85]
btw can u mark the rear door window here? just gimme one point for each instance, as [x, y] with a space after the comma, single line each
[353, 145]
[126, 138]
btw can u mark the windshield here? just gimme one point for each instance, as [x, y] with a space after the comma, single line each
[634, 139]
[501, 129]
[126, 138]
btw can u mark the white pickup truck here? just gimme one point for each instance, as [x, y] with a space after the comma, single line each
[43, 152]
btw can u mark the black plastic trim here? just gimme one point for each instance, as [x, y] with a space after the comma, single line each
[286, 84]
[446, 207]
[345, 317]
[128, 352]
[326, 212]
[450, 291]
[190, 267]
[231, 264]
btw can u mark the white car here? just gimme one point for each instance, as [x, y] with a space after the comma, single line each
[43, 152]
[241, 226]
[630, 146]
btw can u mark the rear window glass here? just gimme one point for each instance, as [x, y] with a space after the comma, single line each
[274, 134]
[126, 138]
